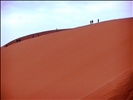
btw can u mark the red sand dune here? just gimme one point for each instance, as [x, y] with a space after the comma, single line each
[91, 62]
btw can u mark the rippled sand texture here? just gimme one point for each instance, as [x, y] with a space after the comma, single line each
[92, 62]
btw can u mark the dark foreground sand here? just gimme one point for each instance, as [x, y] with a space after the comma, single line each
[92, 62]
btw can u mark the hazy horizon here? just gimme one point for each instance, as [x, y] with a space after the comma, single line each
[20, 18]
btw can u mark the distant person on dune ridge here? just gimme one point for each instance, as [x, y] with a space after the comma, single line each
[98, 20]
[91, 22]
[32, 36]
[17, 40]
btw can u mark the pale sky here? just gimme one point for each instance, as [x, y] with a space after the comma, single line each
[20, 18]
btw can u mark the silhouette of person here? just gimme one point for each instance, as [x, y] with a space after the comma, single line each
[92, 21]
[98, 20]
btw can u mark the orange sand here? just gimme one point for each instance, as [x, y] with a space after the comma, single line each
[90, 62]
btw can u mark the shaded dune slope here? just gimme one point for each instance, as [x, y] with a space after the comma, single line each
[120, 88]
[89, 62]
